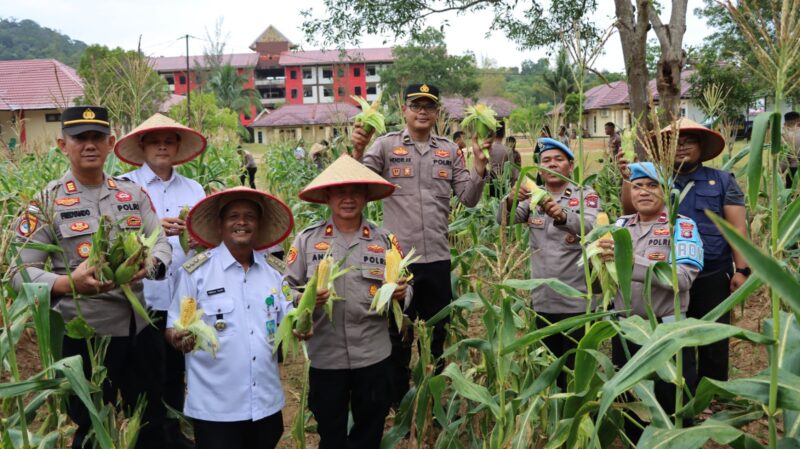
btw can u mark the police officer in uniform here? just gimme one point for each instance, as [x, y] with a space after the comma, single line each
[724, 268]
[555, 242]
[652, 242]
[234, 398]
[156, 146]
[427, 170]
[350, 366]
[66, 215]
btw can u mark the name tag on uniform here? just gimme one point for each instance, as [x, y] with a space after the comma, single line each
[216, 291]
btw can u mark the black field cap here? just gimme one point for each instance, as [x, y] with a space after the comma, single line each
[414, 91]
[79, 119]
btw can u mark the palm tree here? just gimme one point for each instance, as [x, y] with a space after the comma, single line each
[228, 86]
[560, 81]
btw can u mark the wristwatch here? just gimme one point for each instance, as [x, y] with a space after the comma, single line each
[745, 271]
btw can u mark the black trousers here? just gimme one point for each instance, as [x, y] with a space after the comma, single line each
[559, 344]
[432, 292]
[134, 369]
[251, 173]
[174, 366]
[790, 174]
[665, 391]
[262, 434]
[708, 290]
[363, 391]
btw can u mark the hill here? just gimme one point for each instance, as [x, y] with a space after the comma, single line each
[26, 39]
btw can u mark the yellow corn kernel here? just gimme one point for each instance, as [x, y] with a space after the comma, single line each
[323, 272]
[602, 220]
[188, 310]
[392, 271]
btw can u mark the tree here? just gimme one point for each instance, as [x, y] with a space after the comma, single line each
[25, 39]
[739, 87]
[560, 80]
[424, 59]
[228, 86]
[124, 82]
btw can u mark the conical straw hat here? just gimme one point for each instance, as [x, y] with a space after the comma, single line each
[276, 223]
[711, 142]
[192, 143]
[343, 171]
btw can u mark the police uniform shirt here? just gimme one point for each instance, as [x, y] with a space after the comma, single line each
[419, 209]
[498, 156]
[651, 244]
[67, 215]
[168, 197]
[242, 383]
[357, 337]
[556, 249]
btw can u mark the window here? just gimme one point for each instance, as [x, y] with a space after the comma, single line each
[341, 92]
[372, 90]
[327, 73]
[260, 137]
[308, 92]
[52, 117]
[170, 79]
[307, 75]
[357, 90]
[683, 112]
[356, 72]
[294, 93]
[182, 79]
[372, 70]
[340, 72]
[293, 74]
[327, 92]
[594, 124]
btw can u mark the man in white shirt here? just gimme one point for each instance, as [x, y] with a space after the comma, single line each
[235, 398]
[157, 145]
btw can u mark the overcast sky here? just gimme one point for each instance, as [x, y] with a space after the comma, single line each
[161, 23]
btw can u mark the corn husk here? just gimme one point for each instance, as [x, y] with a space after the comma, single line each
[370, 116]
[191, 320]
[396, 269]
[184, 235]
[538, 194]
[98, 255]
[481, 118]
[606, 272]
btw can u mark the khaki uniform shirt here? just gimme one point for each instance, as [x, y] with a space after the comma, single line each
[652, 243]
[792, 137]
[67, 216]
[357, 337]
[556, 249]
[419, 210]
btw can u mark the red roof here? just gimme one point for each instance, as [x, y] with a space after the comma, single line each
[454, 106]
[178, 63]
[37, 84]
[293, 115]
[317, 57]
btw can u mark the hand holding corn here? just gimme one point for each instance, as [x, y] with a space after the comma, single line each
[183, 341]
[323, 295]
[480, 153]
[553, 209]
[607, 253]
[359, 138]
[400, 292]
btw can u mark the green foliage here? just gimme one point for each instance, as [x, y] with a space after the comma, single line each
[207, 115]
[572, 107]
[711, 68]
[521, 118]
[424, 59]
[25, 39]
[228, 86]
[560, 81]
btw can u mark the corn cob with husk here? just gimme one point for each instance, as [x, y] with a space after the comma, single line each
[98, 255]
[192, 322]
[370, 116]
[482, 120]
[138, 253]
[537, 193]
[396, 269]
[605, 271]
[327, 272]
[184, 235]
[628, 143]
[299, 318]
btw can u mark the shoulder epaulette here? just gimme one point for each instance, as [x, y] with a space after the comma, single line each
[275, 263]
[195, 262]
[313, 226]
[393, 133]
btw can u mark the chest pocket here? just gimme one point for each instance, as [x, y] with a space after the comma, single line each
[709, 197]
[132, 221]
[78, 228]
[373, 272]
[218, 313]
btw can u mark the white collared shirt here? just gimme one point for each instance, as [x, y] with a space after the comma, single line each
[242, 382]
[168, 197]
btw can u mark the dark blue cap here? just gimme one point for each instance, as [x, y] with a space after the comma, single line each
[546, 143]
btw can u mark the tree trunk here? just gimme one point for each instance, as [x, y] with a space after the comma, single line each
[633, 36]
[670, 64]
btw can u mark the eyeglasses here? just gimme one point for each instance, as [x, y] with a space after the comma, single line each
[429, 107]
[688, 141]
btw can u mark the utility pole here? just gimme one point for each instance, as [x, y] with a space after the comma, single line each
[188, 87]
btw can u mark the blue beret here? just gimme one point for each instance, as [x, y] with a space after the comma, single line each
[644, 170]
[546, 143]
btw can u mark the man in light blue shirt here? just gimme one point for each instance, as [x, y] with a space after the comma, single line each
[235, 398]
[157, 145]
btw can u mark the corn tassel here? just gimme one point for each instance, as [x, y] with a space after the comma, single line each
[370, 116]
[184, 235]
[396, 268]
[192, 322]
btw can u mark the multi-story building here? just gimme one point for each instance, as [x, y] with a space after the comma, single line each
[281, 73]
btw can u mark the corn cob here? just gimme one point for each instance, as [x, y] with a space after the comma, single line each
[324, 272]
[602, 220]
[192, 322]
[606, 271]
[370, 116]
[299, 318]
[396, 268]
[482, 118]
[537, 193]
[98, 254]
[184, 236]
